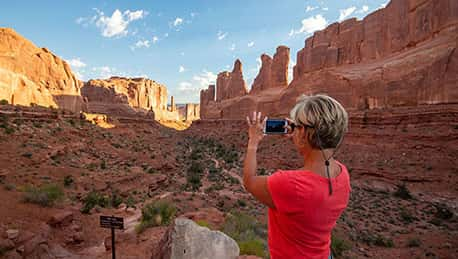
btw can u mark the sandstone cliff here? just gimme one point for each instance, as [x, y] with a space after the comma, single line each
[189, 111]
[32, 75]
[402, 55]
[273, 72]
[128, 96]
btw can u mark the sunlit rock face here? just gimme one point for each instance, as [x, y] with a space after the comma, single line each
[128, 96]
[273, 72]
[401, 55]
[32, 75]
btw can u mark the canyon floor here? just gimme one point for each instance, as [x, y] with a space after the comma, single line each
[403, 166]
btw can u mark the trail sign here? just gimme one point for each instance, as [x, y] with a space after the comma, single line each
[113, 223]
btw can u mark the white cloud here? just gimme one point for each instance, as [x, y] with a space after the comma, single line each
[232, 47]
[193, 14]
[311, 24]
[221, 35]
[190, 90]
[155, 39]
[76, 63]
[310, 8]
[117, 23]
[135, 15]
[144, 43]
[166, 35]
[250, 44]
[178, 21]
[291, 70]
[182, 53]
[205, 78]
[104, 71]
[181, 69]
[80, 20]
[364, 9]
[344, 13]
[258, 64]
[325, 9]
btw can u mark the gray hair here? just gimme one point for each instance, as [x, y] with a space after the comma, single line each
[326, 116]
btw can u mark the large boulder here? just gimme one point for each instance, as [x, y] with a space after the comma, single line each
[187, 240]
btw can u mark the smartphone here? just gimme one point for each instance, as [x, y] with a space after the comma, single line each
[276, 126]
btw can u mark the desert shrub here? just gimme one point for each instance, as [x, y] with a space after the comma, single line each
[402, 192]
[93, 199]
[203, 223]
[247, 232]
[241, 203]
[406, 216]
[194, 176]
[68, 180]
[159, 213]
[442, 212]
[414, 242]
[9, 130]
[130, 202]
[4, 102]
[383, 241]
[45, 195]
[103, 165]
[338, 245]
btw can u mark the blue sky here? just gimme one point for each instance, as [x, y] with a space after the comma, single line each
[182, 44]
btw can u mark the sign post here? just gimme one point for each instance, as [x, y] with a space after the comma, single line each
[113, 223]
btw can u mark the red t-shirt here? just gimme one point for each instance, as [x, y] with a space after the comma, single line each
[301, 224]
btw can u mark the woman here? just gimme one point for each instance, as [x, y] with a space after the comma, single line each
[304, 204]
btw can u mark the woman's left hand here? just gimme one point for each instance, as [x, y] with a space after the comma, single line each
[255, 129]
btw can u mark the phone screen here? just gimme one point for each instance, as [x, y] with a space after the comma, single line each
[275, 126]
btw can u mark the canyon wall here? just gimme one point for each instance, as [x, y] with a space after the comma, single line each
[31, 75]
[122, 96]
[401, 55]
[189, 112]
[273, 72]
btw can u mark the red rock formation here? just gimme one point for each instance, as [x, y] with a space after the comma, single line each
[127, 96]
[173, 107]
[402, 55]
[236, 85]
[30, 75]
[273, 72]
[192, 111]
[231, 84]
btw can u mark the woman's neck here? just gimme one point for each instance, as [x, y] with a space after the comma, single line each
[315, 162]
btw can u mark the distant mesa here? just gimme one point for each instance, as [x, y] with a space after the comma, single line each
[401, 55]
[34, 76]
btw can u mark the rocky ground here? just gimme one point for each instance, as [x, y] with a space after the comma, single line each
[403, 170]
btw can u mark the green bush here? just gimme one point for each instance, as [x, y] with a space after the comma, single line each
[203, 223]
[249, 234]
[159, 213]
[93, 199]
[194, 176]
[338, 246]
[402, 192]
[45, 195]
[414, 242]
[253, 247]
[68, 180]
[130, 202]
[4, 102]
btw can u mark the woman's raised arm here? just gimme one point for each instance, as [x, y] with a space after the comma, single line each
[256, 185]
